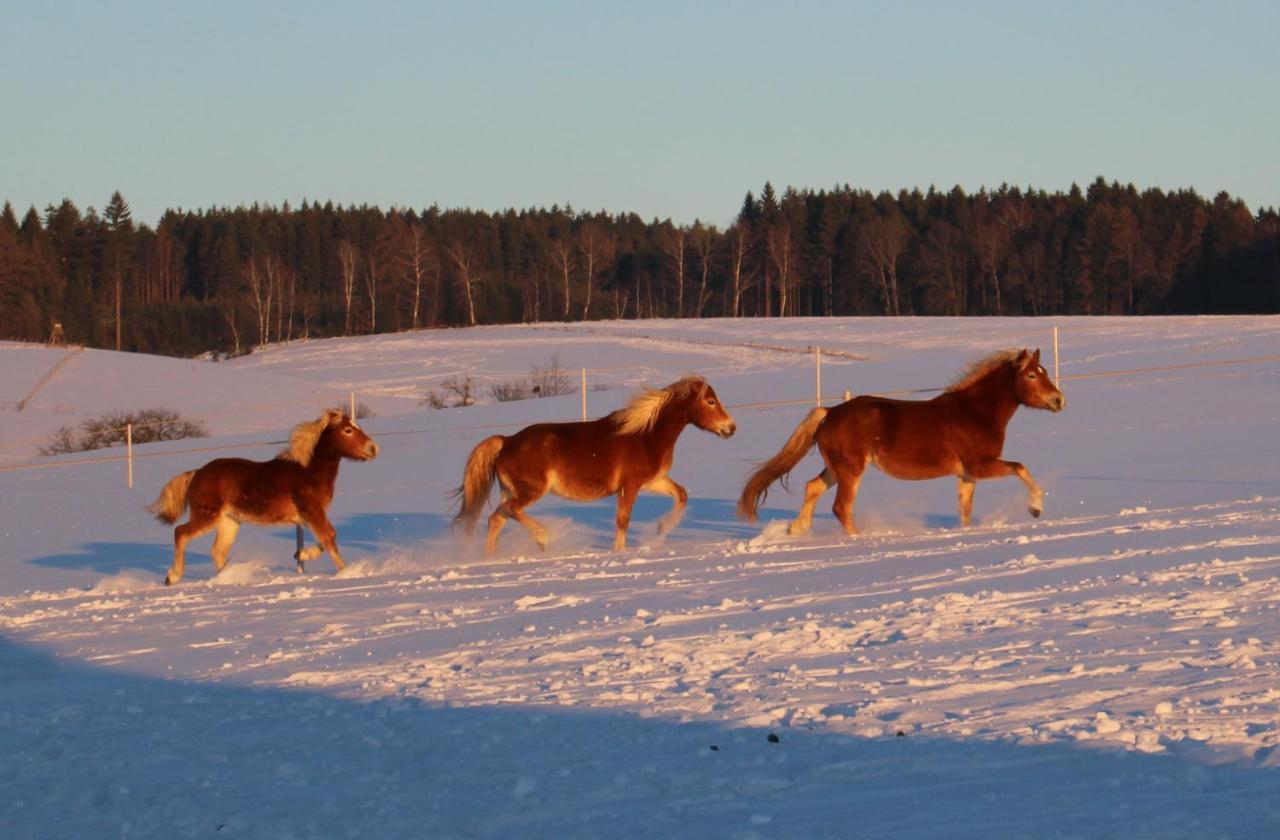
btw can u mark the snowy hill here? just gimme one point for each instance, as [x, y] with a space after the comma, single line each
[1111, 668]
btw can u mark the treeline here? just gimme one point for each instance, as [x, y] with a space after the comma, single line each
[230, 279]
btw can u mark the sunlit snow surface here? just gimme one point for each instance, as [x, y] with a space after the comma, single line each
[1112, 668]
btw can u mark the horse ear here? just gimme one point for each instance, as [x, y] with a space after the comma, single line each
[333, 416]
[1035, 358]
[1023, 356]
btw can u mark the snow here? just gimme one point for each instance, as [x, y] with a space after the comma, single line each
[1109, 668]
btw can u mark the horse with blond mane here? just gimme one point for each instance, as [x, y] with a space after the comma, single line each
[294, 487]
[960, 432]
[620, 454]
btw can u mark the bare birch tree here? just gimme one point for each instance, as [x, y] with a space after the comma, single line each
[348, 259]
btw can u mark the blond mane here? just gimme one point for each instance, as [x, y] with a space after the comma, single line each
[306, 436]
[981, 368]
[642, 412]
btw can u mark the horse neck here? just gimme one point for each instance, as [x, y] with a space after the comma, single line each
[993, 396]
[670, 423]
[323, 466]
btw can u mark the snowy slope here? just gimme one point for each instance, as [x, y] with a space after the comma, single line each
[1112, 668]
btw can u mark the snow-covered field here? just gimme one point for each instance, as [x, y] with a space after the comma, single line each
[1111, 669]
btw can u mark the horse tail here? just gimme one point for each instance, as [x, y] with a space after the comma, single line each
[477, 481]
[173, 498]
[780, 465]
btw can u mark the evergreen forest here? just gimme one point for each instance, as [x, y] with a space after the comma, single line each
[227, 280]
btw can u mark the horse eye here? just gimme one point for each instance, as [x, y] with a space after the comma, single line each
[1031, 375]
[347, 430]
[710, 401]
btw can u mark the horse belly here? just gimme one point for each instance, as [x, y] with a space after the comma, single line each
[917, 463]
[578, 488]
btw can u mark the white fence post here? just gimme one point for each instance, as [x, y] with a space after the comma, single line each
[848, 395]
[353, 405]
[817, 368]
[584, 394]
[128, 442]
[1055, 357]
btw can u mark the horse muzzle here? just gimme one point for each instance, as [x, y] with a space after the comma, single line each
[727, 430]
[1056, 403]
[370, 451]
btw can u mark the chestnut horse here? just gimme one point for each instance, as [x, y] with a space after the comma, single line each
[960, 432]
[295, 487]
[621, 454]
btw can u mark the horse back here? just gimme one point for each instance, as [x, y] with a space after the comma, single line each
[582, 460]
[259, 491]
[910, 439]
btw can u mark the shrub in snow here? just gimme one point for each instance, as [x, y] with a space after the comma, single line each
[106, 430]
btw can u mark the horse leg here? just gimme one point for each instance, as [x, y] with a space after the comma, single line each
[679, 496]
[199, 523]
[847, 482]
[497, 520]
[964, 488]
[326, 535]
[513, 508]
[813, 490]
[222, 540]
[996, 468]
[626, 501]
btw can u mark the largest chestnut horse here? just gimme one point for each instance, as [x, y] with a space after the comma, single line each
[295, 487]
[621, 454]
[960, 432]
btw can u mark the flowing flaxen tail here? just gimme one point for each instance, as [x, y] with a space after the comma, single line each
[753, 494]
[477, 481]
[173, 498]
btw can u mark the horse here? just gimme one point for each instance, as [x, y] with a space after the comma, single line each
[294, 487]
[620, 454]
[960, 432]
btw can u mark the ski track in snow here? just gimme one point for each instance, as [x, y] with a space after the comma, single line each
[1112, 669]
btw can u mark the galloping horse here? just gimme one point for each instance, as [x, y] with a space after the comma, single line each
[295, 487]
[960, 432]
[621, 454]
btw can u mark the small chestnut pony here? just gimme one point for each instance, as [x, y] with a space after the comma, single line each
[618, 455]
[294, 487]
[960, 432]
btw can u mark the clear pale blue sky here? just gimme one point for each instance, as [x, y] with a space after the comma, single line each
[667, 109]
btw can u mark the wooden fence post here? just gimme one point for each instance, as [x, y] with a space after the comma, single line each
[584, 394]
[128, 442]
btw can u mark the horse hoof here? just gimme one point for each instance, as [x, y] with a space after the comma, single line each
[169, 581]
[1035, 512]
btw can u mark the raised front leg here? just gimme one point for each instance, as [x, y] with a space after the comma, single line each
[680, 498]
[997, 468]
[326, 535]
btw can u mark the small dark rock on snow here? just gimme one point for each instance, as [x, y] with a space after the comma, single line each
[773, 739]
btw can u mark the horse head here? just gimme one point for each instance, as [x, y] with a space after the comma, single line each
[1032, 384]
[708, 413]
[345, 437]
